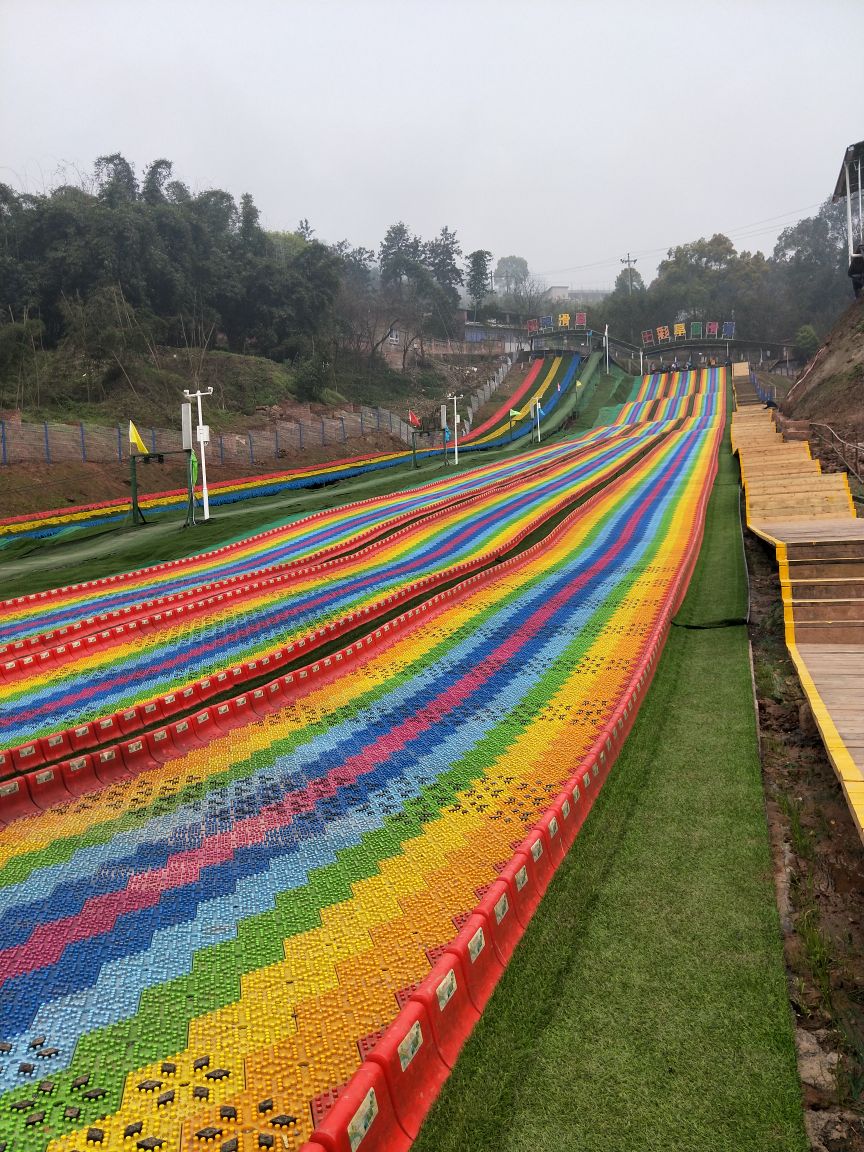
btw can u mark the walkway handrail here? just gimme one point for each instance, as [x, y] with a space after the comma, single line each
[845, 449]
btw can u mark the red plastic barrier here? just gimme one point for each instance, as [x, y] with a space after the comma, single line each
[259, 698]
[151, 712]
[549, 825]
[130, 721]
[204, 725]
[161, 744]
[6, 768]
[28, 756]
[106, 730]
[562, 808]
[185, 735]
[224, 716]
[56, 747]
[170, 705]
[521, 875]
[413, 1067]
[242, 706]
[449, 1007]
[47, 787]
[364, 1113]
[82, 738]
[79, 776]
[137, 756]
[480, 961]
[109, 766]
[499, 907]
[15, 800]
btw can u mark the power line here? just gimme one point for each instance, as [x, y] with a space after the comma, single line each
[742, 232]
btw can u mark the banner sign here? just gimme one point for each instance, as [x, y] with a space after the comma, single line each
[695, 329]
[712, 328]
[648, 337]
[662, 333]
[680, 331]
[728, 329]
[564, 321]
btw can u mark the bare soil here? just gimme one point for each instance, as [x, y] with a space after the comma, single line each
[819, 874]
[832, 391]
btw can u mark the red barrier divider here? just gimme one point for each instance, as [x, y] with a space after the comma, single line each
[109, 765]
[15, 800]
[56, 747]
[28, 756]
[363, 1113]
[47, 787]
[184, 735]
[161, 744]
[204, 725]
[130, 721]
[412, 1065]
[498, 905]
[137, 756]
[79, 776]
[449, 1007]
[480, 962]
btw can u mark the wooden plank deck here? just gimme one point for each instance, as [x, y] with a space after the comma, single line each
[814, 531]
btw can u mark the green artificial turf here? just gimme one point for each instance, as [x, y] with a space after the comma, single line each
[645, 1008]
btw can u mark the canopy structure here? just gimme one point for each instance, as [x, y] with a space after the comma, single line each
[849, 186]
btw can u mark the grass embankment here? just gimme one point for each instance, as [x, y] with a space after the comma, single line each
[646, 1006]
[87, 554]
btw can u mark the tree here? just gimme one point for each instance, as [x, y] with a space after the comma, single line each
[510, 273]
[115, 179]
[528, 295]
[629, 281]
[155, 179]
[478, 276]
[806, 342]
[441, 257]
[397, 253]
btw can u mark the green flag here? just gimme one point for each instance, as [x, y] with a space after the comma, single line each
[193, 462]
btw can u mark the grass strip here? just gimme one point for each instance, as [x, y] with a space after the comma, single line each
[646, 1005]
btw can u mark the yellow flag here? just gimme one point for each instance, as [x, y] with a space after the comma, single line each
[135, 440]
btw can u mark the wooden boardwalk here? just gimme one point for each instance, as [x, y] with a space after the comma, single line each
[810, 519]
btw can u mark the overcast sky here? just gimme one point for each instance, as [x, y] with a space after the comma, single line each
[566, 132]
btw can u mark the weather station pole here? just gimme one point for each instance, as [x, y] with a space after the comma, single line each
[202, 434]
[452, 396]
[606, 342]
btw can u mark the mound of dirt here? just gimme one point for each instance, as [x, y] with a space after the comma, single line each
[831, 390]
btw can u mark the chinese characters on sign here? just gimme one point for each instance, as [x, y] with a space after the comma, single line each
[678, 331]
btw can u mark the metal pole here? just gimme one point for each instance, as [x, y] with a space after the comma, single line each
[606, 342]
[860, 221]
[538, 421]
[455, 435]
[204, 492]
[848, 209]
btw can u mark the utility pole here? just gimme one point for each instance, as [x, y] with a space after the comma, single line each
[629, 262]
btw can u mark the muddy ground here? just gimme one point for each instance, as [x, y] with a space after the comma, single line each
[819, 873]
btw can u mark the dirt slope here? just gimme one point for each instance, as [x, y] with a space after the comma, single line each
[831, 391]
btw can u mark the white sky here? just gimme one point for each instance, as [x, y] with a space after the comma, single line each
[566, 131]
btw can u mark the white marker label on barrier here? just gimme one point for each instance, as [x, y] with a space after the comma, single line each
[476, 944]
[445, 989]
[361, 1121]
[553, 826]
[586, 779]
[596, 769]
[576, 794]
[410, 1045]
[537, 849]
[565, 809]
[521, 878]
[502, 907]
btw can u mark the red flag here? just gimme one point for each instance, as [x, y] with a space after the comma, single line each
[413, 419]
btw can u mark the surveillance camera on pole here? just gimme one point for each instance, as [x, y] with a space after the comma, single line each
[202, 436]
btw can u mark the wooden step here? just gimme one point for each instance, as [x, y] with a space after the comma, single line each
[827, 589]
[811, 611]
[839, 568]
[840, 632]
[825, 550]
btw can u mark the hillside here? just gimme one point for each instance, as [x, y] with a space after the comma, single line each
[831, 391]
